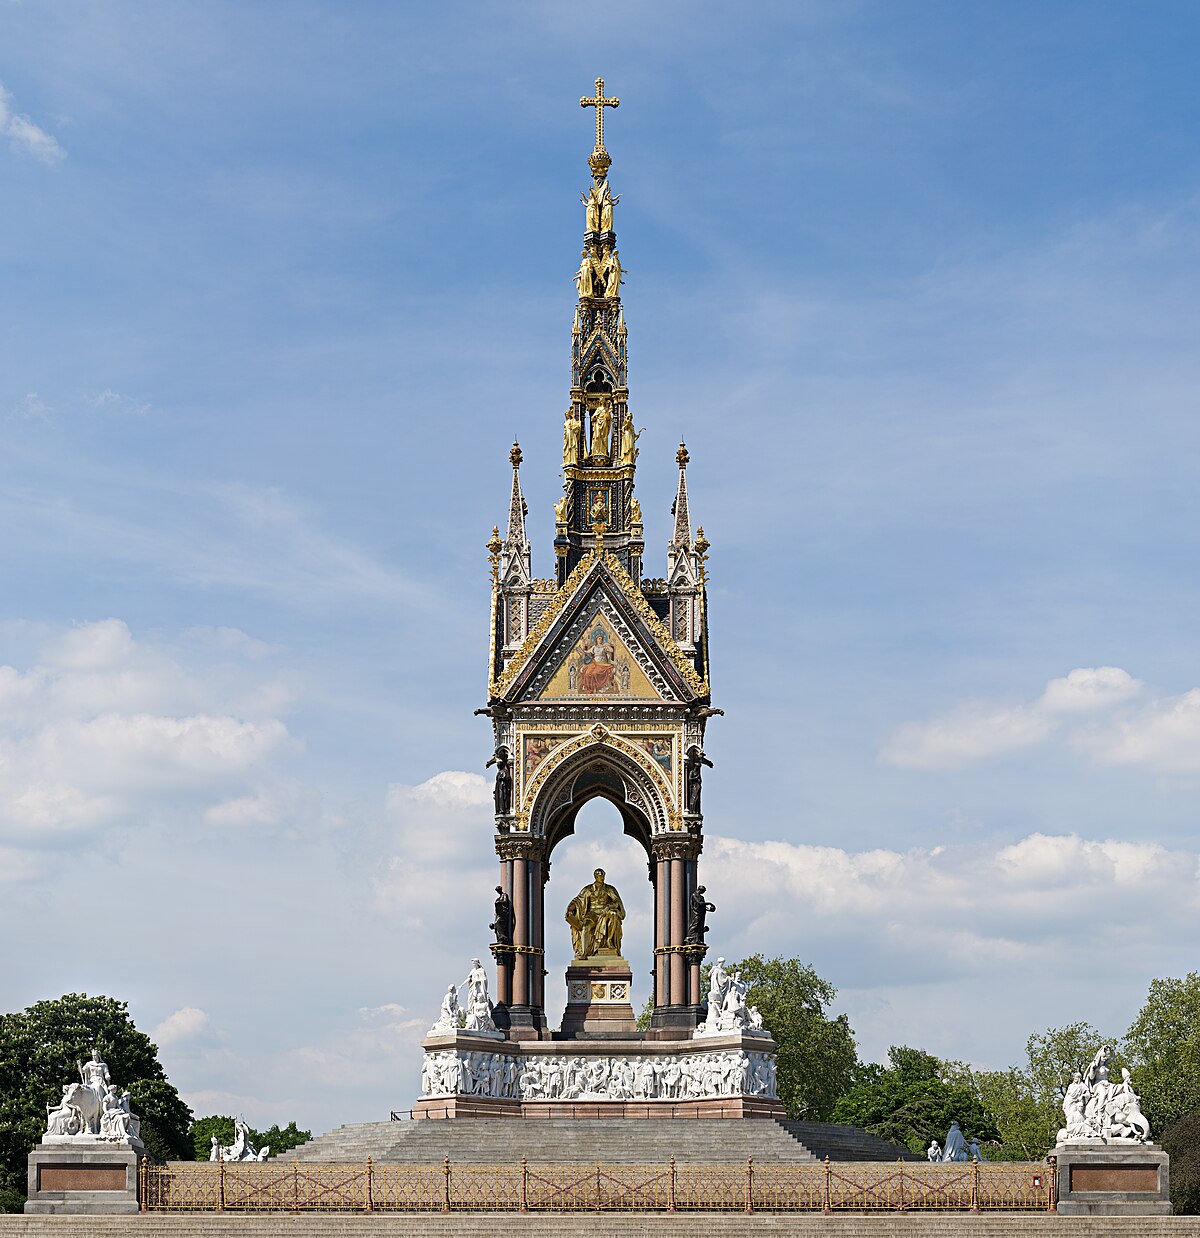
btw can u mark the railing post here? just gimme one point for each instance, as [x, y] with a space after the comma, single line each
[446, 1185]
[142, 1185]
[900, 1162]
[1052, 1193]
[220, 1183]
[295, 1186]
[524, 1184]
[750, 1184]
[827, 1202]
[370, 1186]
[975, 1184]
[671, 1188]
[597, 1186]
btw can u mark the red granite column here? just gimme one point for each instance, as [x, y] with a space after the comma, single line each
[693, 997]
[521, 931]
[504, 961]
[537, 937]
[661, 969]
[678, 930]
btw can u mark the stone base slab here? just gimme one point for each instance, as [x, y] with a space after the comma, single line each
[495, 1107]
[1117, 1180]
[88, 1178]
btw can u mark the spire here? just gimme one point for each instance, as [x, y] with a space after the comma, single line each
[599, 436]
[681, 561]
[515, 565]
[683, 520]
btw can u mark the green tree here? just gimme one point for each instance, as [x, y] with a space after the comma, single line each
[39, 1051]
[1026, 1101]
[1163, 1047]
[817, 1055]
[1181, 1141]
[278, 1139]
[910, 1102]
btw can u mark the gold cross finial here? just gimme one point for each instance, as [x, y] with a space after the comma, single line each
[599, 102]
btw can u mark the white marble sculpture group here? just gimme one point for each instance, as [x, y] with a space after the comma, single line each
[475, 1013]
[957, 1148]
[92, 1109]
[727, 1009]
[241, 1149]
[1100, 1111]
[693, 1076]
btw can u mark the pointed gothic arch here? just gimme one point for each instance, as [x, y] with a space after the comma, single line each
[599, 764]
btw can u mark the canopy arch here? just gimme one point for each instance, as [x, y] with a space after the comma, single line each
[604, 766]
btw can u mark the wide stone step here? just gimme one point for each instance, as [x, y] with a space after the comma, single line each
[623, 1140]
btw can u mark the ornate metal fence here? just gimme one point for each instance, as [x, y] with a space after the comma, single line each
[298, 1186]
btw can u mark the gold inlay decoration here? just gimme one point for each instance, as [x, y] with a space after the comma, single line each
[697, 685]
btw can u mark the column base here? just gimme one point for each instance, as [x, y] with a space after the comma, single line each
[674, 1021]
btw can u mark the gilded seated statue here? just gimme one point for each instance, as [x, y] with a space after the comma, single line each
[595, 915]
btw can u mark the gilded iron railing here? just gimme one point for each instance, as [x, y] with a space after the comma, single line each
[750, 1186]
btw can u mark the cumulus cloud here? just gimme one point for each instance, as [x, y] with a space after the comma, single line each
[26, 137]
[186, 1024]
[1101, 711]
[106, 730]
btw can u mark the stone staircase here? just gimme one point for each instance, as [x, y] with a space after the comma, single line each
[598, 1225]
[557, 1140]
[846, 1143]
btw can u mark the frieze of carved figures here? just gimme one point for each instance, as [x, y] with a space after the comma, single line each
[94, 1108]
[1100, 1111]
[727, 1009]
[693, 1076]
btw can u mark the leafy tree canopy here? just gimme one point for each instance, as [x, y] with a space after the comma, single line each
[40, 1049]
[817, 1055]
[1163, 1047]
[910, 1102]
[277, 1138]
[1026, 1101]
[1181, 1140]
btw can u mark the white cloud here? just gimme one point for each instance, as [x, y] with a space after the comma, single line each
[189, 1023]
[1093, 707]
[1163, 737]
[25, 136]
[971, 732]
[105, 730]
[1090, 688]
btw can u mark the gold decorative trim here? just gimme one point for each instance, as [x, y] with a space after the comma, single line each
[571, 586]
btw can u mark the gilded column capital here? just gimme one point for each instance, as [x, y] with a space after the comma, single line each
[674, 847]
[519, 847]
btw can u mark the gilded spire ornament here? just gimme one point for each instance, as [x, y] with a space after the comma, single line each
[599, 102]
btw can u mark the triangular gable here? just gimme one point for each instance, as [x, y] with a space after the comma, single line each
[600, 586]
[598, 663]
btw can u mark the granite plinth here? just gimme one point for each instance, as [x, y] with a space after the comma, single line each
[598, 992]
[1112, 1180]
[87, 1176]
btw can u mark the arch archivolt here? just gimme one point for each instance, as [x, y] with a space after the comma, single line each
[643, 785]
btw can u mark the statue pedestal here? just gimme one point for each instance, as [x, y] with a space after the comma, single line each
[598, 992]
[80, 1174]
[1115, 1179]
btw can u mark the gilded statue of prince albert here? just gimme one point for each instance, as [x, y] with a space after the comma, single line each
[595, 916]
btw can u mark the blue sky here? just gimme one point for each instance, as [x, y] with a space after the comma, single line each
[917, 281]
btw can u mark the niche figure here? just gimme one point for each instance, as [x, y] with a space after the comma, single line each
[504, 781]
[502, 926]
[696, 928]
[693, 777]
